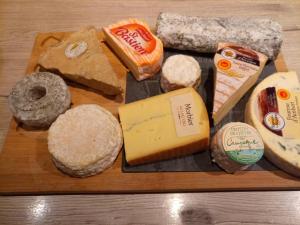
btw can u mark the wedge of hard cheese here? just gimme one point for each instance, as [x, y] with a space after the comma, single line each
[134, 43]
[237, 70]
[80, 58]
[165, 126]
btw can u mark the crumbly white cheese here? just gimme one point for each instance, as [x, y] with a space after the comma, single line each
[180, 71]
[85, 140]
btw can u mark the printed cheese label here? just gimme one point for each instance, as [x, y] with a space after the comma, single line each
[242, 144]
[136, 38]
[76, 49]
[239, 62]
[185, 115]
[279, 110]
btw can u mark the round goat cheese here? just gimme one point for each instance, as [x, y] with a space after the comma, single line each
[37, 100]
[274, 110]
[236, 146]
[85, 140]
[180, 71]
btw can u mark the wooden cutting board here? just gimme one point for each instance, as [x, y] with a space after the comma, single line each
[26, 166]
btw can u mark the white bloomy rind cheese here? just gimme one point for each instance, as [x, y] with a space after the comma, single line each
[236, 146]
[274, 110]
[237, 70]
[180, 71]
[164, 126]
[85, 140]
[133, 42]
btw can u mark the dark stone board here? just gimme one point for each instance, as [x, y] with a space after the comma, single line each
[198, 162]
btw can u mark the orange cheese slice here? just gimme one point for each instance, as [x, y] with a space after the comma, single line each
[134, 43]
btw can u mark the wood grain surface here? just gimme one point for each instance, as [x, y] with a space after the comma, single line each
[19, 23]
[239, 208]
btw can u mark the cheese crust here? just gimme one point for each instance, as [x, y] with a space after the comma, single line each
[85, 140]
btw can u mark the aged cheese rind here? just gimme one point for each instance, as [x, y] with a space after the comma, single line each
[85, 140]
[203, 34]
[89, 67]
[180, 71]
[283, 152]
[38, 99]
[149, 128]
[141, 65]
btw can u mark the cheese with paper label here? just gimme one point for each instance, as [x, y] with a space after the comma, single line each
[133, 42]
[237, 70]
[274, 110]
[164, 126]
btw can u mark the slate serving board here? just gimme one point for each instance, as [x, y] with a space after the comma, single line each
[199, 162]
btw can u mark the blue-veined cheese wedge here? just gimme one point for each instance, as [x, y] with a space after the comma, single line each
[274, 110]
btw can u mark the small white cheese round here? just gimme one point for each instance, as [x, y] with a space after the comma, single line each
[85, 140]
[180, 71]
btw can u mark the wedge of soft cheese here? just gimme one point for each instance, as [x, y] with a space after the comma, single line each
[237, 70]
[164, 126]
[81, 58]
[134, 43]
[274, 110]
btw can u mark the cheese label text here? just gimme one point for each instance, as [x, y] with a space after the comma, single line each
[185, 115]
[242, 144]
[135, 37]
[280, 111]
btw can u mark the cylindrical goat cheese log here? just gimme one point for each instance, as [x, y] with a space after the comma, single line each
[204, 34]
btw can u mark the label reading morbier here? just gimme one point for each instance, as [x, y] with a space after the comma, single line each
[185, 115]
[135, 37]
[280, 111]
[242, 144]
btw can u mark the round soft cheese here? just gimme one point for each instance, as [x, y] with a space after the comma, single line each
[38, 99]
[274, 110]
[236, 146]
[180, 71]
[85, 140]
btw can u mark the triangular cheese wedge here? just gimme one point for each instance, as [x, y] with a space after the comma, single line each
[80, 58]
[237, 70]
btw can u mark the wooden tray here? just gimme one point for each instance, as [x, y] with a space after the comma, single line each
[26, 166]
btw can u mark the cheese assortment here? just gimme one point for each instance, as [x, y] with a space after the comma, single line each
[237, 70]
[86, 140]
[236, 146]
[134, 43]
[274, 110]
[165, 126]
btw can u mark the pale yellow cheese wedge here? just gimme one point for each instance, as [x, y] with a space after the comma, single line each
[237, 70]
[165, 126]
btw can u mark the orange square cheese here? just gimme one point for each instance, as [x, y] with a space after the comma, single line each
[139, 49]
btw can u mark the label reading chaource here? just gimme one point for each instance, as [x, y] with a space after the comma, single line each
[135, 37]
[74, 50]
[242, 144]
[185, 115]
[280, 111]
